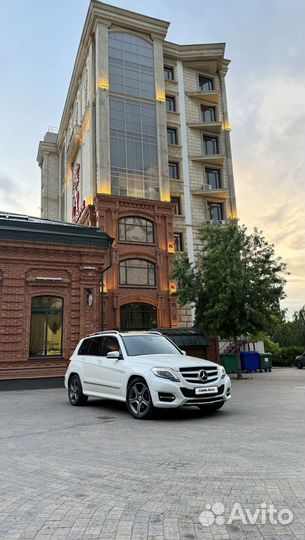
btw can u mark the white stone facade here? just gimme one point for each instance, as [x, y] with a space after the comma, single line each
[75, 164]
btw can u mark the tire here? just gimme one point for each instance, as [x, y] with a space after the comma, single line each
[211, 408]
[299, 364]
[138, 400]
[75, 392]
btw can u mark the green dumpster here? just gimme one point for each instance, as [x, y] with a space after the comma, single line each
[265, 361]
[229, 362]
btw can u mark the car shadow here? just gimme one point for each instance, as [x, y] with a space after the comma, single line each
[184, 413]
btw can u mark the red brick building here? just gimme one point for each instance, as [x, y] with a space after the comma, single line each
[50, 277]
[137, 295]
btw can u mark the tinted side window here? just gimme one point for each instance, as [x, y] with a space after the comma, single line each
[95, 346]
[84, 347]
[110, 344]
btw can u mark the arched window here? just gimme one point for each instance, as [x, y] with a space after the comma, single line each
[46, 326]
[138, 317]
[137, 272]
[136, 229]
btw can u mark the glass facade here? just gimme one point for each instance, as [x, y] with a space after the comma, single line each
[46, 326]
[133, 126]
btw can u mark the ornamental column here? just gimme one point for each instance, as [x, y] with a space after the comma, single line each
[226, 125]
[103, 177]
[161, 118]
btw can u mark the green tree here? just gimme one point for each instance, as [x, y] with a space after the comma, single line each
[236, 283]
[290, 333]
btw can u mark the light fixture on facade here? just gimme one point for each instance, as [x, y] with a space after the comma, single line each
[171, 247]
[103, 84]
[172, 287]
[227, 126]
[161, 96]
[89, 298]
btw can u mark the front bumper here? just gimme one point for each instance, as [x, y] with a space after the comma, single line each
[170, 395]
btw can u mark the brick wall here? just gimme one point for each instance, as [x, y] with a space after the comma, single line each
[22, 265]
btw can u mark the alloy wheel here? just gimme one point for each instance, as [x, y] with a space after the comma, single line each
[139, 399]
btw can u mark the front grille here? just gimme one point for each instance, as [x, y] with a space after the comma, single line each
[191, 375]
[190, 393]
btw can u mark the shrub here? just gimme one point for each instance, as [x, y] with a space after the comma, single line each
[288, 355]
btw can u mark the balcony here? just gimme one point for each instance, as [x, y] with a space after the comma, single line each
[209, 159]
[211, 128]
[216, 221]
[211, 97]
[210, 192]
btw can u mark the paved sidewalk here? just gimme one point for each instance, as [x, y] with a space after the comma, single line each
[95, 472]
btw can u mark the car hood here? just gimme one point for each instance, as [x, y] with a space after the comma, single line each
[173, 361]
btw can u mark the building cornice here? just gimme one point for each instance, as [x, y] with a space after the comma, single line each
[45, 147]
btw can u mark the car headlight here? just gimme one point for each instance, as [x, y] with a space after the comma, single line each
[165, 373]
[222, 372]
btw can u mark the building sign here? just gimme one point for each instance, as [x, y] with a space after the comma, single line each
[77, 206]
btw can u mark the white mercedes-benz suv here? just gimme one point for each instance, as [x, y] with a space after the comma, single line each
[145, 370]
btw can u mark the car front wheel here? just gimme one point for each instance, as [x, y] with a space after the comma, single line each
[75, 392]
[299, 364]
[139, 402]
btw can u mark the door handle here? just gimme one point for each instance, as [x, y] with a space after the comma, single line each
[100, 361]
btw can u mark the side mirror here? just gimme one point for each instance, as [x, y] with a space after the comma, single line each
[115, 355]
[183, 352]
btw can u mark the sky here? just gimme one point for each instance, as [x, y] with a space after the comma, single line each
[265, 41]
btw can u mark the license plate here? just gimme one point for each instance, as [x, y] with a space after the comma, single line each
[207, 390]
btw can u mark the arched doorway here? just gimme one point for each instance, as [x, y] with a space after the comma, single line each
[138, 316]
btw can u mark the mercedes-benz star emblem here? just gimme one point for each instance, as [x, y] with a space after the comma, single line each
[203, 375]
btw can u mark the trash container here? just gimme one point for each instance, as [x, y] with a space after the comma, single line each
[229, 362]
[250, 361]
[265, 361]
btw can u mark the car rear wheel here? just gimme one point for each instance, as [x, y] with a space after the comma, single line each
[139, 402]
[75, 392]
[211, 408]
[299, 364]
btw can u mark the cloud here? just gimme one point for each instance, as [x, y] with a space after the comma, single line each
[269, 159]
[15, 198]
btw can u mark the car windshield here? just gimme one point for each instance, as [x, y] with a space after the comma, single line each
[148, 344]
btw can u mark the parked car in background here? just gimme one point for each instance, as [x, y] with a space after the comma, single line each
[146, 371]
[300, 361]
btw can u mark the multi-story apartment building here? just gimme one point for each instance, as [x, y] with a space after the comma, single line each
[142, 151]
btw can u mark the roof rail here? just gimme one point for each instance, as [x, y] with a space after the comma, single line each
[104, 332]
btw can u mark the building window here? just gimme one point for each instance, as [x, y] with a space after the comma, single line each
[136, 229]
[213, 178]
[173, 170]
[170, 104]
[178, 242]
[137, 272]
[205, 83]
[138, 317]
[176, 202]
[46, 326]
[208, 114]
[210, 145]
[133, 125]
[169, 73]
[215, 211]
[172, 137]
